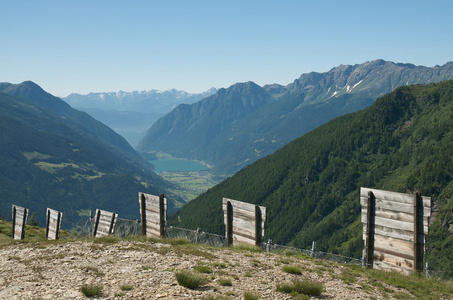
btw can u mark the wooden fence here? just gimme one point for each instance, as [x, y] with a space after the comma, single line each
[20, 215]
[53, 224]
[394, 229]
[244, 222]
[153, 211]
[104, 223]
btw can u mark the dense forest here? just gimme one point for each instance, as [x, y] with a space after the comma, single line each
[402, 143]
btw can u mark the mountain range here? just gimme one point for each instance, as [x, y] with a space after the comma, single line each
[310, 187]
[130, 114]
[245, 122]
[58, 157]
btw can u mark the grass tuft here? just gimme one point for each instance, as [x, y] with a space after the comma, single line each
[179, 241]
[251, 295]
[225, 282]
[189, 279]
[292, 270]
[247, 247]
[307, 287]
[126, 287]
[203, 269]
[107, 239]
[91, 290]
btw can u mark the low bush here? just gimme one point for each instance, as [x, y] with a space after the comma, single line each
[91, 290]
[225, 282]
[189, 279]
[292, 270]
[307, 287]
[251, 295]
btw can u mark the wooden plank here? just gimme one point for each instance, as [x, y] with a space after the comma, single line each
[393, 260]
[393, 233]
[244, 226]
[105, 222]
[401, 225]
[19, 215]
[381, 265]
[155, 212]
[395, 224]
[395, 206]
[241, 239]
[393, 196]
[241, 205]
[243, 232]
[393, 246]
[391, 215]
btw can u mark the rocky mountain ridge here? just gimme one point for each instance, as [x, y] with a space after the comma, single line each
[289, 112]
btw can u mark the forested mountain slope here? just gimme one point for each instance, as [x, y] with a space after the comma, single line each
[192, 130]
[403, 143]
[78, 121]
[54, 156]
[293, 110]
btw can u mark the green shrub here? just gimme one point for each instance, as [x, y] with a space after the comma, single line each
[203, 269]
[307, 287]
[189, 279]
[126, 287]
[251, 296]
[225, 282]
[91, 290]
[292, 270]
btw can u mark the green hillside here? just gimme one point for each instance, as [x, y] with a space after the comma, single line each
[55, 159]
[402, 143]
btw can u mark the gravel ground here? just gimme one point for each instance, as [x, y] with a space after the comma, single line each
[147, 269]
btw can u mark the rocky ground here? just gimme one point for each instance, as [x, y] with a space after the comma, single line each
[146, 270]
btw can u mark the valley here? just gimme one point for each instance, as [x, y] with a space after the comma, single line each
[301, 150]
[191, 178]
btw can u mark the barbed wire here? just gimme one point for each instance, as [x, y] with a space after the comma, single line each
[125, 227]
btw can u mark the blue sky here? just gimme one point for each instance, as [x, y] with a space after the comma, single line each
[107, 46]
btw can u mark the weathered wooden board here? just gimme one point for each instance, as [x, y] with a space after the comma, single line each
[394, 197]
[397, 241]
[54, 219]
[247, 221]
[393, 233]
[104, 223]
[20, 215]
[153, 211]
[395, 260]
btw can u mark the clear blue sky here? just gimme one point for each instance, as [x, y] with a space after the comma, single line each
[107, 45]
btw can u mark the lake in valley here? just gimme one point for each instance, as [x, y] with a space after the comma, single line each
[177, 165]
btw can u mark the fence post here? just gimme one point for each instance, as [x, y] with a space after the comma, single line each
[268, 246]
[418, 230]
[91, 224]
[369, 242]
[14, 221]
[47, 223]
[313, 246]
[363, 258]
[143, 213]
[258, 229]
[96, 222]
[162, 214]
[229, 227]
[196, 236]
